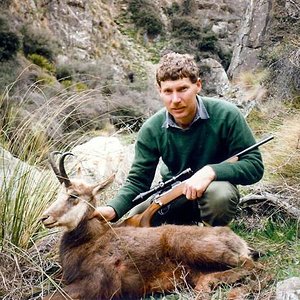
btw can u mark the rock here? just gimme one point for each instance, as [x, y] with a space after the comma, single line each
[220, 29]
[288, 289]
[215, 80]
[250, 38]
[12, 169]
[99, 158]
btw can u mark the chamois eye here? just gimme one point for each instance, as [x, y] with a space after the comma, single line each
[73, 199]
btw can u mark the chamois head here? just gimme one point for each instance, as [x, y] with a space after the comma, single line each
[75, 200]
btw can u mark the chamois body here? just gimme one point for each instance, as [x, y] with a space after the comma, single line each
[104, 262]
[101, 261]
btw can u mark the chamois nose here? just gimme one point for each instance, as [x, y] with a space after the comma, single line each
[48, 221]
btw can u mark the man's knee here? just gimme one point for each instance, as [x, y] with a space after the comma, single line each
[219, 203]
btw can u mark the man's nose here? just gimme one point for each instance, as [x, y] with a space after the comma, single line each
[175, 97]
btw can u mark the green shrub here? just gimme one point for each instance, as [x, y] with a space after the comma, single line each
[186, 28]
[225, 56]
[42, 62]
[4, 23]
[5, 3]
[188, 7]
[9, 44]
[150, 22]
[64, 72]
[9, 71]
[37, 41]
[173, 9]
[144, 15]
[208, 42]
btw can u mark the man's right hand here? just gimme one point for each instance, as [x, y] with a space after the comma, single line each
[104, 212]
[197, 184]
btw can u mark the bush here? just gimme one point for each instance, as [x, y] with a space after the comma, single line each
[9, 71]
[37, 41]
[173, 9]
[42, 62]
[283, 65]
[150, 22]
[5, 3]
[64, 72]
[208, 42]
[186, 28]
[188, 7]
[144, 15]
[9, 45]
[225, 56]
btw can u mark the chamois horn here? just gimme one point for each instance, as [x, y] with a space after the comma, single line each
[53, 165]
[60, 172]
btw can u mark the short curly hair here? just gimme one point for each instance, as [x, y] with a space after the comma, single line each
[173, 66]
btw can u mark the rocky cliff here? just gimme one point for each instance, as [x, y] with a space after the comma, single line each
[111, 47]
[88, 30]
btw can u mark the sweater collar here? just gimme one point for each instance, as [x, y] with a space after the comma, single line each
[201, 113]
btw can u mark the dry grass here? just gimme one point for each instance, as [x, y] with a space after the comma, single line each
[282, 158]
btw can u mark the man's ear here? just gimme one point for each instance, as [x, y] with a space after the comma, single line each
[199, 85]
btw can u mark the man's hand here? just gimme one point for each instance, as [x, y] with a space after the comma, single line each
[104, 212]
[197, 184]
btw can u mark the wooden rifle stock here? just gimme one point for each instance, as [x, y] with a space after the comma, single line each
[144, 219]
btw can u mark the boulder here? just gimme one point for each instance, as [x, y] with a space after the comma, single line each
[215, 80]
[99, 158]
[288, 289]
[12, 169]
[250, 38]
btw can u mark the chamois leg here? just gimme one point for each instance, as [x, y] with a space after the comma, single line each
[207, 281]
[238, 293]
[71, 291]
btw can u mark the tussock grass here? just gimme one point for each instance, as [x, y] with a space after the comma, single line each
[283, 155]
[24, 194]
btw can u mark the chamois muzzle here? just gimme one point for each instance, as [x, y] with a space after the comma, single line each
[60, 172]
[48, 221]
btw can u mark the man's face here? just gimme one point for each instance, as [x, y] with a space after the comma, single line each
[179, 98]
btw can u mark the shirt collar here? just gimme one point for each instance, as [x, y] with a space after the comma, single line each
[201, 113]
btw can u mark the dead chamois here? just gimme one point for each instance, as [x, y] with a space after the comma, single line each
[104, 261]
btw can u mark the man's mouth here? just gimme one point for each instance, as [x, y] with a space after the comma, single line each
[178, 109]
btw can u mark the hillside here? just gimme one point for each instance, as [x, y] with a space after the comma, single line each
[71, 70]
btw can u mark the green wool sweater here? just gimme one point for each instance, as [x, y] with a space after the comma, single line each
[207, 142]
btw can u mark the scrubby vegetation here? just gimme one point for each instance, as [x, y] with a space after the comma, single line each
[46, 105]
[144, 15]
[184, 33]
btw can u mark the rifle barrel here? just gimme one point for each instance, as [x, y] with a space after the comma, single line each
[261, 142]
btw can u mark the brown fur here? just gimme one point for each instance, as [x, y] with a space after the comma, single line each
[103, 262]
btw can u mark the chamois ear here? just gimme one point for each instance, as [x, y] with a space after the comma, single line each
[79, 172]
[102, 185]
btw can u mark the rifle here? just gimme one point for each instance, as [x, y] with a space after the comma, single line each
[171, 189]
